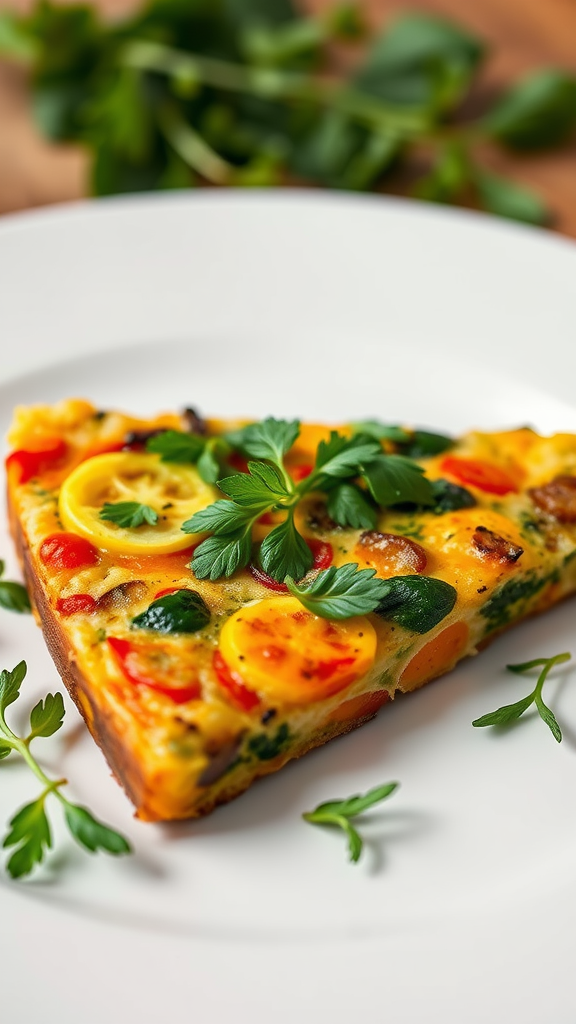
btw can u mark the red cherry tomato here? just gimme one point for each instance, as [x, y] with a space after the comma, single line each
[137, 664]
[323, 555]
[76, 603]
[32, 463]
[68, 551]
[233, 684]
[477, 473]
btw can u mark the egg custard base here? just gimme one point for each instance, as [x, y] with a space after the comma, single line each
[189, 721]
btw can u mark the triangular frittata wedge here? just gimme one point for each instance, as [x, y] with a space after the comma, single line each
[320, 571]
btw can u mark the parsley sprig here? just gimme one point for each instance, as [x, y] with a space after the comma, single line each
[30, 831]
[247, 92]
[354, 472]
[13, 596]
[510, 712]
[339, 813]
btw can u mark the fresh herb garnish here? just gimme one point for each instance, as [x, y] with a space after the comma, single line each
[128, 514]
[348, 505]
[181, 612]
[510, 712]
[339, 812]
[207, 453]
[416, 444]
[353, 472]
[340, 593]
[30, 831]
[13, 596]
[248, 93]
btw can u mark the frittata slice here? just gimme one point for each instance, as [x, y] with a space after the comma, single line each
[194, 687]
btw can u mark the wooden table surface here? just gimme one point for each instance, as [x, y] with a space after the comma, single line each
[523, 35]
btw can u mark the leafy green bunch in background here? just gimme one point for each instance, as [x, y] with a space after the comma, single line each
[242, 92]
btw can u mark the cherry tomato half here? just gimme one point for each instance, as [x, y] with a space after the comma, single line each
[67, 551]
[32, 463]
[477, 473]
[322, 553]
[234, 685]
[142, 665]
[76, 603]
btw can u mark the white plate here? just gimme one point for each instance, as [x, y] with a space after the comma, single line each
[465, 897]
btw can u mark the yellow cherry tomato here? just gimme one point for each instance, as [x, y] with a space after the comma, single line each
[285, 653]
[174, 491]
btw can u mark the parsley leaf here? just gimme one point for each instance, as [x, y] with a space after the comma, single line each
[284, 551]
[341, 592]
[208, 465]
[381, 431]
[205, 452]
[128, 514]
[394, 479]
[339, 812]
[415, 444]
[10, 683]
[222, 555]
[47, 716]
[181, 612]
[13, 596]
[223, 517]
[269, 439]
[29, 829]
[347, 505]
[176, 446]
[262, 487]
[510, 712]
[92, 834]
[342, 456]
[30, 833]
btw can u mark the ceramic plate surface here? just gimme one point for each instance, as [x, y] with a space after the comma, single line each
[464, 900]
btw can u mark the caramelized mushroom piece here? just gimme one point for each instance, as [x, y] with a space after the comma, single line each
[557, 498]
[492, 545]
[122, 595]
[221, 760]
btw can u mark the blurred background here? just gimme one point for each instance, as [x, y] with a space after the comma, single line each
[477, 108]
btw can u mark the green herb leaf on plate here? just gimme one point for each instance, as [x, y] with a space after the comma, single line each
[13, 596]
[46, 716]
[92, 834]
[510, 712]
[338, 813]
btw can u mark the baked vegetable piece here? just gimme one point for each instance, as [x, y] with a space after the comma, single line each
[222, 597]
